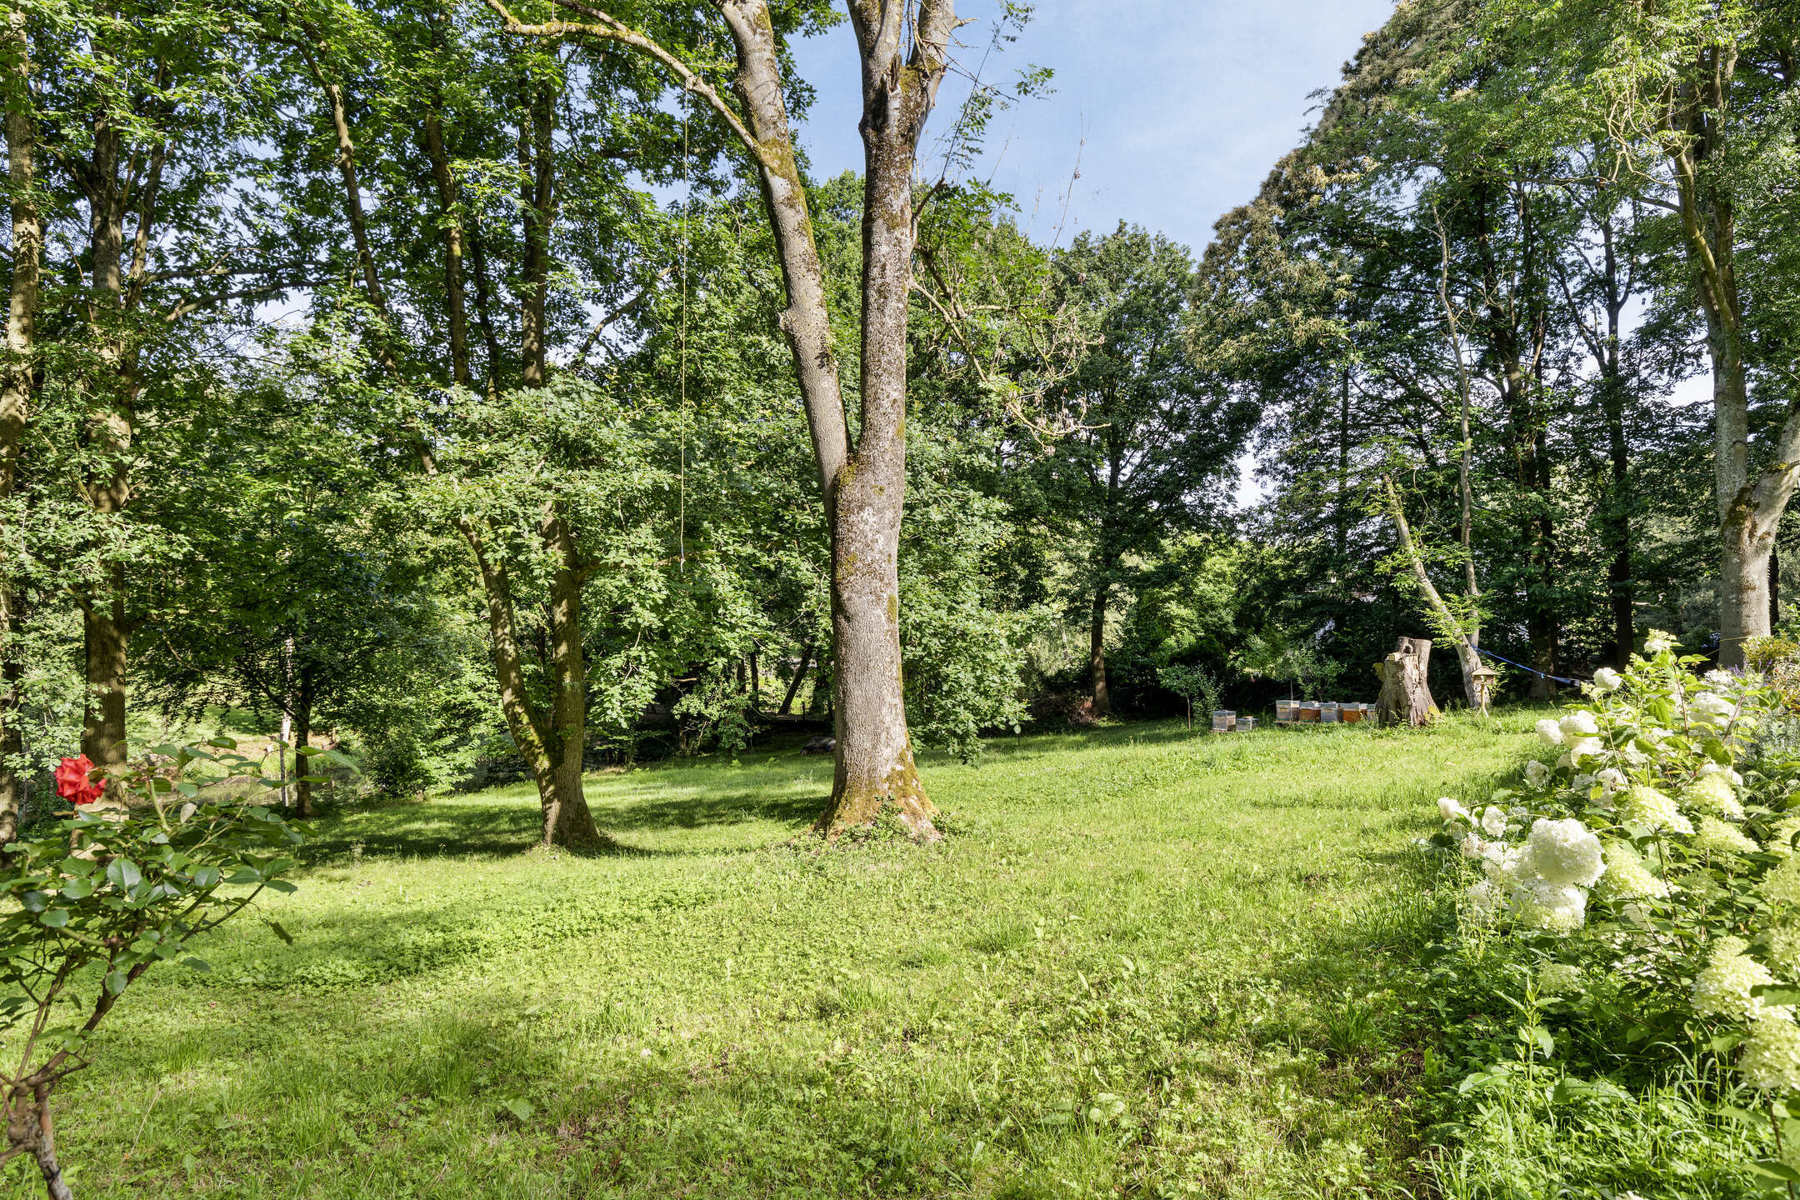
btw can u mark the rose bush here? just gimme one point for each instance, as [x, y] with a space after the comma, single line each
[101, 893]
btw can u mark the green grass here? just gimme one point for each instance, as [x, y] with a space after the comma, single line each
[1144, 963]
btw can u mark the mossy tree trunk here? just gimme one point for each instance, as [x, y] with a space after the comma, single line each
[903, 52]
[18, 376]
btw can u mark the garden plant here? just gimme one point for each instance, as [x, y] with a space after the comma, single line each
[129, 873]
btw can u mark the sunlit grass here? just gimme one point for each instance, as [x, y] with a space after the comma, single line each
[1145, 961]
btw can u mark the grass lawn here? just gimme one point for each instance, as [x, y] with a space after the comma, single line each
[1145, 963]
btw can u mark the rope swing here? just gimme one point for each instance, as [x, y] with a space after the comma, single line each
[687, 188]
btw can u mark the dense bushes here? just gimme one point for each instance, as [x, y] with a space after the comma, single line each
[1624, 959]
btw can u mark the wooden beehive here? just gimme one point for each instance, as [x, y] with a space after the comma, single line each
[1285, 711]
[1224, 720]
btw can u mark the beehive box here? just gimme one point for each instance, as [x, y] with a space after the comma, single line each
[1246, 724]
[1285, 711]
[1309, 712]
[1329, 711]
[1224, 720]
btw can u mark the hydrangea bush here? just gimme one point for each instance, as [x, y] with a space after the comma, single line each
[1653, 862]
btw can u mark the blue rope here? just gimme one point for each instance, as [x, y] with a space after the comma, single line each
[1509, 662]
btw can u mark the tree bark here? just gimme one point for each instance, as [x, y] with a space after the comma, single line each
[18, 376]
[1467, 656]
[793, 688]
[111, 392]
[903, 52]
[1405, 693]
[303, 771]
[550, 743]
[875, 768]
[1102, 698]
[1750, 505]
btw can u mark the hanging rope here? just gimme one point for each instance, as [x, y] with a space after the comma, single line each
[687, 202]
[1540, 674]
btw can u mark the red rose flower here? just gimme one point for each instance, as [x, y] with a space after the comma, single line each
[74, 782]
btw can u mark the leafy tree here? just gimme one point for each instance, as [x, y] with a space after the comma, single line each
[1153, 444]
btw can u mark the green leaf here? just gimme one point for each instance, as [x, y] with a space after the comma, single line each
[116, 981]
[281, 933]
[123, 873]
[56, 918]
[1774, 1168]
[520, 1109]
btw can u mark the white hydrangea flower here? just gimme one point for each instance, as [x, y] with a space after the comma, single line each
[1783, 940]
[1564, 852]
[1556, 907]
[1612, 780]
[1713, 793]
[1550, 731]
[1579, 724]
[1710, 767]
[1472, 845]
[1781, 838]
[1719, 838]
[1584, 748]
[1558, 979]
[1771, 1055]
[1451, 809]
[1536, 773]
[1657, 642]
[1720, 678]
[1628, 876]
[1606, 679]
[1482, 903]
[1781, 886]
[1722, 988]
[1582, 783]
[1644, 805]
[1493, 822]
[1633, 755]
[1656, 735]
[1710, 708]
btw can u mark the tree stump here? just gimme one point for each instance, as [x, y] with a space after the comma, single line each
[1405, 695]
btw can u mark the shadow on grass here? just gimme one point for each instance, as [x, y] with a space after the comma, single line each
[422, 830]
[707, 808]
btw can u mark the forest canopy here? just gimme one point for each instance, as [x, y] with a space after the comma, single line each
[493, 389]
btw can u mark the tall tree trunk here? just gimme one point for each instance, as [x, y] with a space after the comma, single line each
[793, 688]
[567, 818]
[903, 52]
[288, 700]
[303, 770]
[1750, 506]
[1616, 524]
[1467, 656]
[111, 395]
[1102, 697]
[875, 768]
[18, 378]
[544, 739]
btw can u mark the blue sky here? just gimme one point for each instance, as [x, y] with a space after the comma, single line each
[1173, 109]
